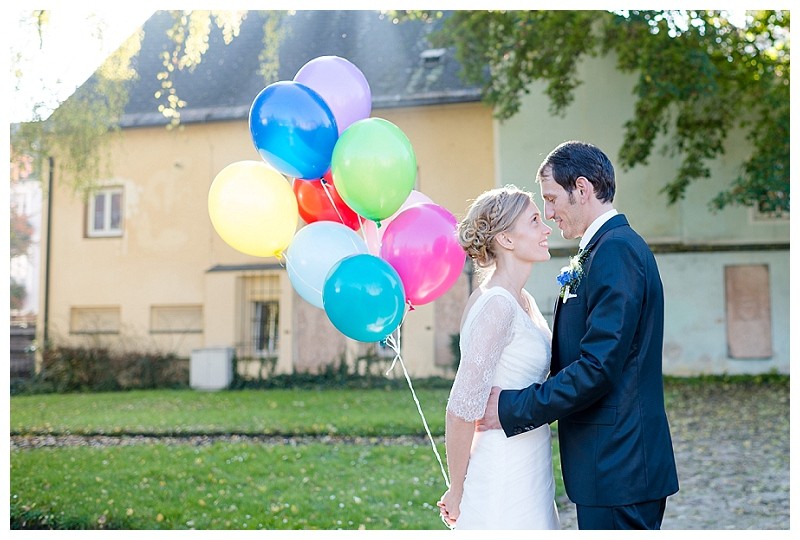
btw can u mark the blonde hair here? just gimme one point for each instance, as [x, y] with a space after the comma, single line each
[492, 213]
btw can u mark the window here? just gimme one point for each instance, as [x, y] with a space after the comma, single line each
[760, 212]
[94, 320]
[258, 319]
[748, 308]
[265, 328]
[104, 216]
[176, 319]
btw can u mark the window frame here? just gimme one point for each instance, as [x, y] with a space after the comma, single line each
[107, 231]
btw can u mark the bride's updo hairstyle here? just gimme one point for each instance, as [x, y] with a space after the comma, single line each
[492, 213]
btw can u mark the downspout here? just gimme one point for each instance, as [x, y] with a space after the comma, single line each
[46, 318]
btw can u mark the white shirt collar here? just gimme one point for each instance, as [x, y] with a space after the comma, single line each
[595, 226]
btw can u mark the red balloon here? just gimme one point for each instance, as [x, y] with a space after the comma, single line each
[314, 202]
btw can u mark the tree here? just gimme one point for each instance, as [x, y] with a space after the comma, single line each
[78, 131]
[17, 295]
[20, 241]
[699, 76]
[21, 234]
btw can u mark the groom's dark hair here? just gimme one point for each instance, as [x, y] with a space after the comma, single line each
[572, 159]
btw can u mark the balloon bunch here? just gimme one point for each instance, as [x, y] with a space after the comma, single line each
[350, 173]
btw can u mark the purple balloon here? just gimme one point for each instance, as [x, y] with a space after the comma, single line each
[342, 85]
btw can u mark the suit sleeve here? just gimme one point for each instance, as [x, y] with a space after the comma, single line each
[614, 286]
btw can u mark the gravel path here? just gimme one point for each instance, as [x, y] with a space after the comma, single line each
[731, 447]
[732, 451]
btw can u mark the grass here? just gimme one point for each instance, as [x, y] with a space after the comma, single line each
[379, 480]
[371, 412]
[227, 486]
[353, 459]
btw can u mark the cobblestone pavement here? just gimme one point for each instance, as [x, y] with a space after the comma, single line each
[732, 451]
[731, 447]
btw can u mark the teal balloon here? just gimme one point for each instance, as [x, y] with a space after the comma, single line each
[364, 298]
[313, 252]
[374, 167]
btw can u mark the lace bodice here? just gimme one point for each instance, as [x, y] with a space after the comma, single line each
[501, 345]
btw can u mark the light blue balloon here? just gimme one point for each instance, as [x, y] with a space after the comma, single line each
[364, 298]
[312, 253]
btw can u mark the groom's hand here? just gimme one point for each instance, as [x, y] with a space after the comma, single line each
[490, 420]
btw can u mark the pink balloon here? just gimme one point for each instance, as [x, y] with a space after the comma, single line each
[421, 243]
[374, 235]
[341, 84]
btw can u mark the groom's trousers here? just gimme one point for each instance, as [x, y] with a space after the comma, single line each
[646, 515]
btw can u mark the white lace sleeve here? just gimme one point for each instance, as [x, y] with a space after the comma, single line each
[482, 343]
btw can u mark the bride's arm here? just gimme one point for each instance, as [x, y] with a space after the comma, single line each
[458, 441]
[482, 344]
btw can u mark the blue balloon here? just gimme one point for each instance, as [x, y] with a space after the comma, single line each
[364, 298]
[314, 250]
[293, 129]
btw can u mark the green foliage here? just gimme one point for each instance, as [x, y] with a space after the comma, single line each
[698, 77]
[78, 132]
[772, 378]
[18, 294]
[21, 232]
[455, 349]
[66, 369]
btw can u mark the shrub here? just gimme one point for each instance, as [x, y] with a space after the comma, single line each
[75, 369]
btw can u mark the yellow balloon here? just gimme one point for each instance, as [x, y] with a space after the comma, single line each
[253, 208]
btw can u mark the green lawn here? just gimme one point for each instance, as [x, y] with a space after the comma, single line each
[351, 472]
[299, 412]
[229, 486]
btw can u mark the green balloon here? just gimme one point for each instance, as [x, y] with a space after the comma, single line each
[374, 168]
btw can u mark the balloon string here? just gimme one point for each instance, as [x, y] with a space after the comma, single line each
[361, 222]
[395, 346]
[296, 274]
[326, 189]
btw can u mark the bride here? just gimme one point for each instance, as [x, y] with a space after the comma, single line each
[498, 482]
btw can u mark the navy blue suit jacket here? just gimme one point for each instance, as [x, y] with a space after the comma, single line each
[605, 386]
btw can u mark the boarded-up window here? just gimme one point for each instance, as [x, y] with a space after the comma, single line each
[94, 320]
[176, 319]
[747, 303]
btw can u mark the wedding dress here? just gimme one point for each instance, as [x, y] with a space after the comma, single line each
[509, 482]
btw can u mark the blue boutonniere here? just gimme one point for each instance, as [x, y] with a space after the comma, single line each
[571, 275]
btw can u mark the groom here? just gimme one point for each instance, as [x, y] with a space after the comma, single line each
[605, 388]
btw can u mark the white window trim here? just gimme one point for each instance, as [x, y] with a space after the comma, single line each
[757, 216]
[107, 231]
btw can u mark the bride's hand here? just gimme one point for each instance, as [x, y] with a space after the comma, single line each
[449, 507]
[491, 418]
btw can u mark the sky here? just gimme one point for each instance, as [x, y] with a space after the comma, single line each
[71, 51]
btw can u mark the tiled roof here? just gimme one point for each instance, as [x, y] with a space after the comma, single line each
[397, 60]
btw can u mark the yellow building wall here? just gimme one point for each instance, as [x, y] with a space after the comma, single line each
[169, 245]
